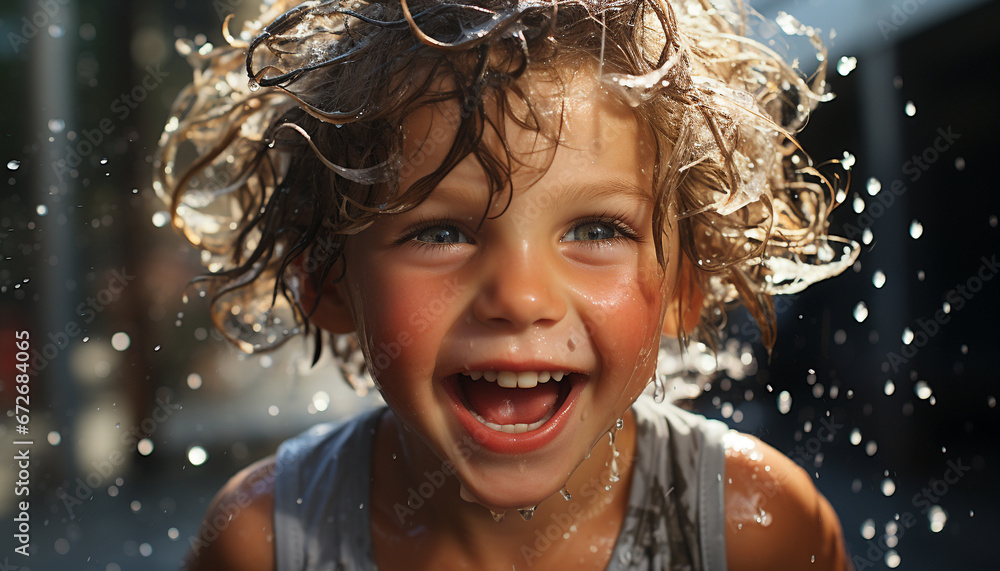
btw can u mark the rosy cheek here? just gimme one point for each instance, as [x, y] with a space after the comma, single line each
[401, 314]
[626, 313]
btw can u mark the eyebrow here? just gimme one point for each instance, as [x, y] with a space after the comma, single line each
[610, 188]
[617, 187]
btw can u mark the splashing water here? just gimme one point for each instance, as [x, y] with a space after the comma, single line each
[846, 65]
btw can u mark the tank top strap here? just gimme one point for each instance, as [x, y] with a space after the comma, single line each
[676, 511]
[321, 497]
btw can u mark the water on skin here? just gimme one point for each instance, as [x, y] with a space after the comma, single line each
[613, 473]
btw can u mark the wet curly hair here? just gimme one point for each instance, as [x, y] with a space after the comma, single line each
[289, 138]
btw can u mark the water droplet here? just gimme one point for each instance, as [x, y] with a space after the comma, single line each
[197, 456]
[847, 162]
[273, 410]
[763, 518]
[868, 528]
[991, 401]
[937, 518]
[873, 186]
[527, 513]
[878, 279]
[890, 387]
[13, 165]
[860, 312]
[846, 65]
[907, 336]
[565, 494]
[856, 437]
[892, 559]
[194, 381]
[871, 448]
[916, 229]
[960, 164]
[161, 218]
[120, 341]
[145, 447]
[784, 402]
[888, 487]
[252, 84]
[659, 391]
[498, 516]
[867, 236]
[922, 390]
[910, 109]
[56, 125]
[858, 204]
[42, 210]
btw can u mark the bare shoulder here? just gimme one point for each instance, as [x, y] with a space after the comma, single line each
[238, 530]
[775, 516]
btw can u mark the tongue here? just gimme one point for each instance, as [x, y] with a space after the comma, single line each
[510, 406]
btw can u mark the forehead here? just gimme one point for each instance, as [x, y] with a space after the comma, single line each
[578, 130]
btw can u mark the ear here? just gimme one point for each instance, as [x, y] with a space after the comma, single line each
[325, 303]
[684, 308]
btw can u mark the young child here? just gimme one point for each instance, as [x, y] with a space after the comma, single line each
[504, 207]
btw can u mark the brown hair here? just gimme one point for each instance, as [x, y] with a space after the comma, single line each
[263, 171]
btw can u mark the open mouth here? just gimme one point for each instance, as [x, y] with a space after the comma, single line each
[515, 403]
[514, 411]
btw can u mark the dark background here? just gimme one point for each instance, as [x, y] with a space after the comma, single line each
[98, 503]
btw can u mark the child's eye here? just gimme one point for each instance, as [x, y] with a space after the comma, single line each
[598, 231]
[440, 234]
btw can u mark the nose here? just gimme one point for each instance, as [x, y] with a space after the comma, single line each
[518, 289]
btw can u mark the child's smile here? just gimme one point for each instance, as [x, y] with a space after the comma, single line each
[513, 343]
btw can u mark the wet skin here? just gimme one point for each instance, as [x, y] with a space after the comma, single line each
[566, 278]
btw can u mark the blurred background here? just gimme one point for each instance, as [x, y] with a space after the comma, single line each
[880, 384]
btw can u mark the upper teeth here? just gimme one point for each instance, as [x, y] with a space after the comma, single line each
[512, 380]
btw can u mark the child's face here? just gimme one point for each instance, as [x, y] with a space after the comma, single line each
[564, 280]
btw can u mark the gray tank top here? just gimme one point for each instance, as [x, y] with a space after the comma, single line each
[675, 518]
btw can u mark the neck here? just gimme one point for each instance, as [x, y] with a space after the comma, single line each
[403, 467]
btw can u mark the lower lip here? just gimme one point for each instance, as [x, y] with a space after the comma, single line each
[508, 443]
